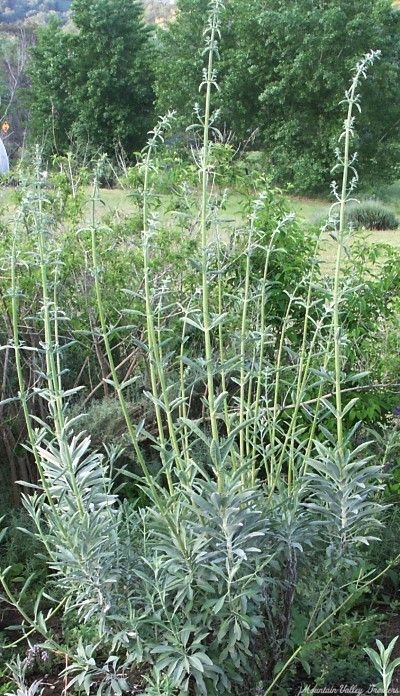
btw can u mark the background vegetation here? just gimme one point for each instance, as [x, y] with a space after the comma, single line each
[281, 71]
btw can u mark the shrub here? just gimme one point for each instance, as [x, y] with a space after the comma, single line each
[372, 215]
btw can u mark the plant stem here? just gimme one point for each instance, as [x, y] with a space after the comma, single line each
[205, 164]
[100, 308]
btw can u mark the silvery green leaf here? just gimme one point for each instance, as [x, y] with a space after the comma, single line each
[195, 662]
[194, 322]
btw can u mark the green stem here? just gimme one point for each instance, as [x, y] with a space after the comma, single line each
[51, 347]
[243, 412]
[102, 320]
[156, 369]
[205, 163]
[343, 237]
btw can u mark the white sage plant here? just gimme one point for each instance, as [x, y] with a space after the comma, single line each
[256, 489]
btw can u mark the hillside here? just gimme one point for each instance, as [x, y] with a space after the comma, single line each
[12, 12]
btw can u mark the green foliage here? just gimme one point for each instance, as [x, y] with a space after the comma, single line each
[344, 512]
[387, 548]
[298, 81]
[337, 660]
[160, 685]
[370, 320]
[211, 559]
[381, 660]
[194, 585]
[231, 168]
[291, 250]
[19, 548]
[22, 561]
[114, 74]
[282, 71]
[6, 685]
[371, 215]
[93, 86]
[217, 571]
[384, 442]
[51, 72]
[177, 76]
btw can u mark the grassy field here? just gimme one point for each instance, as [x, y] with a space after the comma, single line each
[311, 210]
[316, 211]
[119, 203]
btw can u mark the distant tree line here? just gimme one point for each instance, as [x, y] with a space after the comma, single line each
[11, 11]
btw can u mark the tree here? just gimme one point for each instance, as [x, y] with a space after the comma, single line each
[114, 73]
[52, 73]
[94, 85]
[284, 68]
[179, 60]
[299, 61]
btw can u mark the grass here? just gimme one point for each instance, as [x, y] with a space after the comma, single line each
[316, 210]
[313, 210]
[6, 196]
[308, 210]
[117, 202]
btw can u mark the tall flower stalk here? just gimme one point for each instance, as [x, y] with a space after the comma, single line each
[212, 34]
[346, 162]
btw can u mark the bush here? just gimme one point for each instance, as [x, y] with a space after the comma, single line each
[372, 215]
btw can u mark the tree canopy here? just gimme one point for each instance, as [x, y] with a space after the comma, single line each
[283, 70]
[93, 85]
